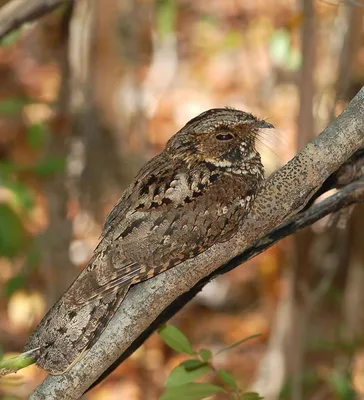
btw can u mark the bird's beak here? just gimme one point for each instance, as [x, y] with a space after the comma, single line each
[264, 125]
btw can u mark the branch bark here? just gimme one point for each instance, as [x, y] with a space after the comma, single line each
[152, 302]
[17, 12]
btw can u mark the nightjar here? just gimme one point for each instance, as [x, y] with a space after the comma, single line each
[196, 193]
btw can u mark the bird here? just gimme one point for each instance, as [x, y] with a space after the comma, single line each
[194, 194]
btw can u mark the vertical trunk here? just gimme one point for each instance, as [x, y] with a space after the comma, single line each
[303, 239]
[353, 313]
[57, 267]
[306, 126]
[107, 115]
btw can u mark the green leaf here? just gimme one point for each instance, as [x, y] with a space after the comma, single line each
[233, 40]
[280, 46]
[10, 38]
[227, 378]
[182, 375]
[340, 384]
[13, 106]
[13, 284]
[19, 281]
[23, 196]
[191, 391]
[36, 136]
[50, 166]
[282, 52]
[238, 343]
[251, 396]
[7, 168]
[175, 339]
[12, 234]
[192, 364]
[205, 354]
[165, 17]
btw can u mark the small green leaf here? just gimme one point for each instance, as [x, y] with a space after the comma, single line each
[205, 354]
[251, 396]
[13, 106]
[50, 166]
[23, 196]
[191, 391]
[175, 339]
[192, 364]
[165, 17]
[19, 281]
[340, 385]
[233, 40]
[36, 136]
[10, 38]
[280, 46]
[7, 168]
[12, 234]
[182, 375]
[238, 343]
[227, 378]
[282, 52]
[13, 284]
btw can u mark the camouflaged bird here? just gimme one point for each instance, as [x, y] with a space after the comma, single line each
[196, 193]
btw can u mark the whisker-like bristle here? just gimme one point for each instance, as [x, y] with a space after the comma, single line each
[263, 146]
[273, 138]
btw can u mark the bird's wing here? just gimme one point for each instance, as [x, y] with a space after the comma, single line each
[165, 219]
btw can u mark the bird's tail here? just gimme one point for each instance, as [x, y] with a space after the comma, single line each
[66, 333]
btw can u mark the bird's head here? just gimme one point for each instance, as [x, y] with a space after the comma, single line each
[224, 137]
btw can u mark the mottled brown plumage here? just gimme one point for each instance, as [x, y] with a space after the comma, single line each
[193, 195]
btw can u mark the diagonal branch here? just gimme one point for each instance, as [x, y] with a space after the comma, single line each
[17, 12]
[152, 302]
[351, 194]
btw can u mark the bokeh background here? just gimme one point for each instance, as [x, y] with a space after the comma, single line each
[91, 91]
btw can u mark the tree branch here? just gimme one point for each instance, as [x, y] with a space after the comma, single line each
[17, 12]
[351, 194]
[152, 302]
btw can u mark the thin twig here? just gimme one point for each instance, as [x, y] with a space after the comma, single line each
[19, 362]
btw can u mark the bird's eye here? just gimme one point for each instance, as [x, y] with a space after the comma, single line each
[224, 136]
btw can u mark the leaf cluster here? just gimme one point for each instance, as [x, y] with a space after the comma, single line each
[181, 385]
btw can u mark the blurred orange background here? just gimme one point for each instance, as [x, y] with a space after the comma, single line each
[89, 93]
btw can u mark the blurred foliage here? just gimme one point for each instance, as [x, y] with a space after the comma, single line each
[226, 53]
[165, 17]
[36, 136]
[10, 38]
[16, 182]
[13, 106]
[341, 386]
[19, 280]
[12, 234]
[282, 52]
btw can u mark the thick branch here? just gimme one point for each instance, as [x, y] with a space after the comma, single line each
[351, 194]
[152, 302]
[17, 12]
